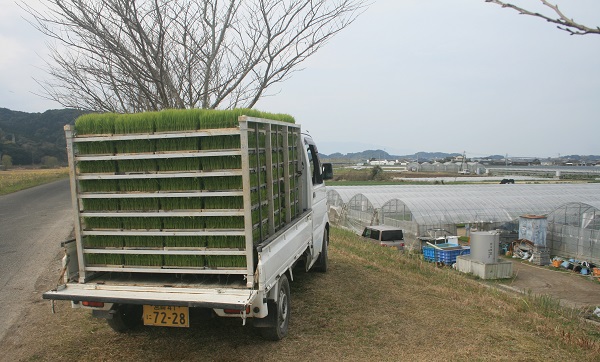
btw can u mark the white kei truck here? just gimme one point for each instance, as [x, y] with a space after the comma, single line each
[135, 264]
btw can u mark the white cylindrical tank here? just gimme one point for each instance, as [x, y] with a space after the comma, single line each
[484, 246]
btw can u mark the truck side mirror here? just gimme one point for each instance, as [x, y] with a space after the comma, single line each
[327, 171]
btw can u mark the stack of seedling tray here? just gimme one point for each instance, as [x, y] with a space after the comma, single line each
[187, 191]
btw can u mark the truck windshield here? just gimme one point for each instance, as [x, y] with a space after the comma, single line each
[389, 235]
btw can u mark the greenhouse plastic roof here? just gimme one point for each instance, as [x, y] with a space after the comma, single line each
[454, 204]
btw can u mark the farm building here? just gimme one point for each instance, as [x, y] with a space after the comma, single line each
[419, 208]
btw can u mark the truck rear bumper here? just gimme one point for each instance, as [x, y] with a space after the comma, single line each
[187, 297]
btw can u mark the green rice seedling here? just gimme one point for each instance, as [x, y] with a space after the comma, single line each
[100, 204]
[225, 242]
[141, 223]
[178, 144]
[225, 222]
[223, 183]
[102, 223]
[95, 148]
[94, 123]
[181, 203]
[103, 241]
[178, 120]
[192, 261]
[256, 140]
[214, 163]
[226, 142]
[179, 164]
[153, 242]
[225, 261]
[187, 222]
[98, 185]
[96, 167]
[140, 204]
[258, 196]
[135, 146]
[185, 242]
[104, 259]
[258, 179]
[224, 202]
[181, 184]
[142, 260]
[143, 165]
[136, 123]
[139, 185]
[257, 161]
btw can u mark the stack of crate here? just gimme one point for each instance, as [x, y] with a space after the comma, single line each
[167, 189]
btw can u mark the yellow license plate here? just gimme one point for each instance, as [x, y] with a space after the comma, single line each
[165, 316]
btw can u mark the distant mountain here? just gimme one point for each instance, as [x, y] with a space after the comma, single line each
[383, 155]
[27, 137]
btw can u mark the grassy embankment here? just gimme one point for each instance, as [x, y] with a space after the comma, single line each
[373, 304]
[20, 179]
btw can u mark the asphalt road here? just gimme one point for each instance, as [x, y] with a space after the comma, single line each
[33, 222]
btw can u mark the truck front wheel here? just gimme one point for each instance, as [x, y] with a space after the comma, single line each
[125, 317]
[279, 313]
[322, 261]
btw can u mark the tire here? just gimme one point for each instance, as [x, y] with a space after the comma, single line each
[125, 317]
[323, 260]
[279, 313]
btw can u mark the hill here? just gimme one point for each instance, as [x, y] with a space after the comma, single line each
[383, 155]
[28, 137]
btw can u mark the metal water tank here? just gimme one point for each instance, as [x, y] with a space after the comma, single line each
[484, 246]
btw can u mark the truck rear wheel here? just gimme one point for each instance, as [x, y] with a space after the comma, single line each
[125, 317]
[279, 312]
[323, 260]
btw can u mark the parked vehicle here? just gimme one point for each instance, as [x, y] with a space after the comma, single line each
[218, 224]
[385, 236]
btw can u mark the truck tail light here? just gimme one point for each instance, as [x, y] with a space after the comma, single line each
[93, 304]
[236, 311]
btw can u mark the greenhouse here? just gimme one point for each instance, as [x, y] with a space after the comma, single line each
[420, 208]
[574, 231]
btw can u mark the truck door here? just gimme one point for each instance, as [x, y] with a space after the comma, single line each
[318, 203]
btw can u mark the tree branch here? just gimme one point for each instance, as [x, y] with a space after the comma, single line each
[563, 22]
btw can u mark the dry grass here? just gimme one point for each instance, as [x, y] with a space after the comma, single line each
[374, 304]
[20, 179]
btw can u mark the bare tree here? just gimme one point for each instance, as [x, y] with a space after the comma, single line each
[563, 22]
[136, 55]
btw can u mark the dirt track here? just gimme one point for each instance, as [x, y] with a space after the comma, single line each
[572, 289]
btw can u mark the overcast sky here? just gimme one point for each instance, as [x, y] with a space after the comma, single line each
[413, 75]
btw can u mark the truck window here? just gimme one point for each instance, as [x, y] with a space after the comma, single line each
[315, 167]
[392, 235]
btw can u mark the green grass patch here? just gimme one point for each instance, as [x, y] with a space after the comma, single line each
[140, 204]
[102, 223]
[141, 223]
[181, 203]
[95, 148]
[224, 202]
[16, 180]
